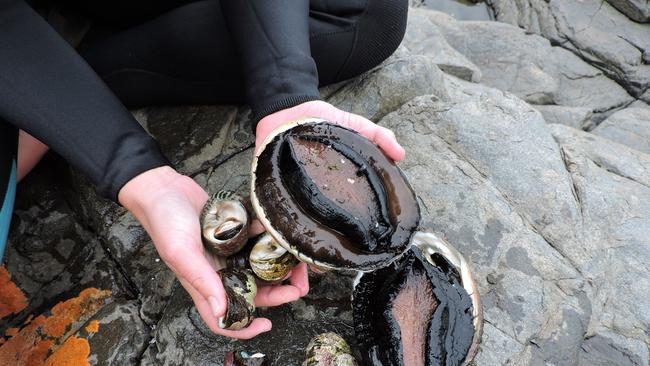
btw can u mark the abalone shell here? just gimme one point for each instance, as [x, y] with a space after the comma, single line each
[332, 198]
[241, 289]
[416, 312]
[243, 358]
[329, 349]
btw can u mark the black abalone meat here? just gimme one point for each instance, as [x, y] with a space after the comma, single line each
[331, 197]
[422, 310]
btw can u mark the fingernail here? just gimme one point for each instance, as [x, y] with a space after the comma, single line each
[215, 305]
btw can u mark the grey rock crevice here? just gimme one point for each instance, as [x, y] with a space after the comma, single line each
[514, 206]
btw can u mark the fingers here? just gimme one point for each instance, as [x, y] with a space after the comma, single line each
[193, 268]
[278, 295]
[257, 326]
[385, 138]
[300, 278]
[275, 295]
[256, 228]
[382, 136]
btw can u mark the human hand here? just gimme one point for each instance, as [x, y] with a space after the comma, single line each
[381, 136]
[168, 205]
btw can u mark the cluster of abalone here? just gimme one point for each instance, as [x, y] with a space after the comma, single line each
[331, 198]
[224, 227]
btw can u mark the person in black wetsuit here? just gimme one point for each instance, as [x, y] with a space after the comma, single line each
[272, 54]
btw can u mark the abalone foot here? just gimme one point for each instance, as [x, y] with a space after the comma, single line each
[434, 279]
[331, 197]
[224, 224]
[241, 289]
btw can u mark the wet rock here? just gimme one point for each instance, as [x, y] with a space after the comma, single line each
[52, 338]
[576, 117]
[592, 29]
[197, 138]
[525, 64]
[630, 127]
[116, 334]
[50, 253]
[182, 338]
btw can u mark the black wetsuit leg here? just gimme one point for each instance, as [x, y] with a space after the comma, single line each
[8, 148]
[187, 56]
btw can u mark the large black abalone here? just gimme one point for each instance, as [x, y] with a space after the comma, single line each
[422, 310]
[332, 198]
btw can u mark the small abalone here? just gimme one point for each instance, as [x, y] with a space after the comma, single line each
[331, 197]
[241, 289]
[269, 261]
[224, 223]
[243, 358]
[422, 310]
[329, 349]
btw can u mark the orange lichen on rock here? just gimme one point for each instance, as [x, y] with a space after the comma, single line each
[65, 313]
[39, 352]
[52, 334]
[74, 352]
[93, 326]
[12, 299]
[11, 332]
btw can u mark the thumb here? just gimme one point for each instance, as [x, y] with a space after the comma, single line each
[192, 267]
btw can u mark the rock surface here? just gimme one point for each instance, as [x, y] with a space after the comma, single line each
[555, 220]
[576, 117]
[524, 64]
[592, 29]
[638, 10]
[630, 127]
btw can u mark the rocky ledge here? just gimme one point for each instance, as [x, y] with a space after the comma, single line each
[495, 120]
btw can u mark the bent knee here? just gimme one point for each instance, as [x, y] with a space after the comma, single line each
[380, 31]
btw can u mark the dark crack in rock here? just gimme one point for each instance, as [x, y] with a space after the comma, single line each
[630, 127]
[592, 29]
[526, 64]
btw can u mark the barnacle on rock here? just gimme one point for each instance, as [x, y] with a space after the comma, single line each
[329, 349]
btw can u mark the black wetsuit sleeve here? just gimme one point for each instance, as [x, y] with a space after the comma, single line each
[272, 39]
[48, 90]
